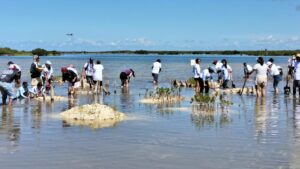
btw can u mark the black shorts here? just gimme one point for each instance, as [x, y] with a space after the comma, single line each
[89, 79]
[123, 76]
[95, 82]
[155, 76]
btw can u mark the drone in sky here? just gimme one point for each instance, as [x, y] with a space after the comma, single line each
[69, 34]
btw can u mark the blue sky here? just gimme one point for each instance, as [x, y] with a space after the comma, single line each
[101, 25]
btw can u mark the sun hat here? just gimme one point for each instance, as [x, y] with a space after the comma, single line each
[48, 62]
[269, 63]
[35, 57]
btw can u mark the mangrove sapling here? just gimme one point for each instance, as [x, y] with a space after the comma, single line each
[161, 95]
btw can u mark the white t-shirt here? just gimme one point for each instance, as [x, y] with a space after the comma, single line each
[297, 71]
[226, 72]
[47, 72]
[219, 65]
[205, 75]
[274, 70]
[249, 68]
[196, 71]
[97, 76]
[261, 70]
[89, 69]
[156, 67]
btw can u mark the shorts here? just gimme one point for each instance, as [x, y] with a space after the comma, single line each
[35, 81]
[155, 76]
[6, 89]
[123, 76]
[277, 79]
[261, 80]
[95, 82]
[89, 79]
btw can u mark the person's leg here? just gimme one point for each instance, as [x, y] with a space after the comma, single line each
[206, 87]
[201, 82]
[275, 83]
[197, 85]
[294, 87]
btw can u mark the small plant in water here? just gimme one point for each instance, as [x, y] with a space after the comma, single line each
[163, 94]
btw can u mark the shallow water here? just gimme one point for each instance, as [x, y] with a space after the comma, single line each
[252, 133]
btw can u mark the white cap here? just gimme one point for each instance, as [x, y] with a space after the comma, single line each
[48, 62]
[11, 66]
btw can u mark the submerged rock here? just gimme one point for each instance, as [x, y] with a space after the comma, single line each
[93, 115]
[161, 100]
[48, 98]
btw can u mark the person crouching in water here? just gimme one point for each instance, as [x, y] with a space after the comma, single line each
[261, 77]
[125, 76]
[197, 74]
[18, 76]
[206, 75]
[47, 78]
[274, 71]
[70, 74]
[6, 85]
[37, 91]
[22, 92]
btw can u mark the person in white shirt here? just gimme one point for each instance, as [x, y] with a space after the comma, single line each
[291, 66]
[261, 77]
[156, 69]
[226, 72]
[22, 92]
[274, 71]
[218, 68]
[98, 77]
[296, 83]
[247, 70]
[197, 73]
[206, 76]
[47, 78]
[88, 71]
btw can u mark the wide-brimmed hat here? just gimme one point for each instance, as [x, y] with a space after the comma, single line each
[48, 62]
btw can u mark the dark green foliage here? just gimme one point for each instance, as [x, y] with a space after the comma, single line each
[40, 52]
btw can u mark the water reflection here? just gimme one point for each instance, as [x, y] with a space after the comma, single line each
[219, 118]
[36, 115]
[296, 118]
[10, 128]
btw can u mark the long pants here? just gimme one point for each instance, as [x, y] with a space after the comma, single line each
[296, 85]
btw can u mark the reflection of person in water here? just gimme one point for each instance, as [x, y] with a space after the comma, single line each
[296, 116]
[260, 115]
[9, 125]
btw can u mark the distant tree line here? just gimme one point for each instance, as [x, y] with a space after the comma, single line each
[43, 52]
[37, 51]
